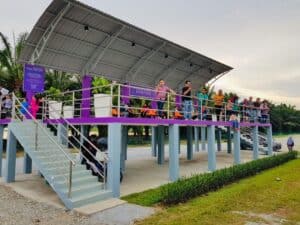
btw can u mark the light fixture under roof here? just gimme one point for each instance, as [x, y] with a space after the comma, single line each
[86, 28]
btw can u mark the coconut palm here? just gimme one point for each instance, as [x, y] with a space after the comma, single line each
[11, 70]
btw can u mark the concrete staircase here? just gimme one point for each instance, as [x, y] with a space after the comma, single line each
[53, 160]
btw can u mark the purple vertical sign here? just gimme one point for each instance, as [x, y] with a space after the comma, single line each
[86, 96]
[34, 79]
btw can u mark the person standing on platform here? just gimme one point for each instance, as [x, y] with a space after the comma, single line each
[3, 93]
[161, 95]
[218, 100]
[187, 100]
[34, 106]
[202, 104]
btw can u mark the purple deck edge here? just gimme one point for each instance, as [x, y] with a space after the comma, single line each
[148, 121]
[4, 121]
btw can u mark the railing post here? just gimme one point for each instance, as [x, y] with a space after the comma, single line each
[43, 110]
[168, 104]
[14, 106]
[73, 99]
[201, 115]
[70, 180]
[119, 100]
[36, 135]
[225, 112]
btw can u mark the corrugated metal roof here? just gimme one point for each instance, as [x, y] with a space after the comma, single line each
[73, 37]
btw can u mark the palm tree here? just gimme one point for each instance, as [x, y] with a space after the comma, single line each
[10, 69]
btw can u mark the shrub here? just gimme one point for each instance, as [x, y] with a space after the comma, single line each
[187, 188]
[199, 184]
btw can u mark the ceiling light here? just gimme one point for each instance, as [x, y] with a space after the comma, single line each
[86, 28]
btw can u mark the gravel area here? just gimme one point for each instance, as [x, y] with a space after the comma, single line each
[16, 210]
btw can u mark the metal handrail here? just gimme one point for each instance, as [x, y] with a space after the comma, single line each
[72, 162]
[78, 141]
[116, 93]
[43, 129]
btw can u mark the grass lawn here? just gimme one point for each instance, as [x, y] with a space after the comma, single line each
[261, 199]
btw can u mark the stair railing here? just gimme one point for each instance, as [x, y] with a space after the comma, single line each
[21, 113]
[59, 119]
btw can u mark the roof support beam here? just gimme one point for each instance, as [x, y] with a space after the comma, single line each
[99, 53]
[135, 69]
[38, 51]
[170, 68]
[211, 82]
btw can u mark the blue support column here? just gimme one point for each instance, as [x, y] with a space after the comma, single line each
[1, 147]
[229, 142]
[219, 136]
[27, 164]
[114, 153]
[62, 133]
[203, 138]
[270, 140]
[83, 132]
[161, 145]
[189, 137]
[237, 147]
[154, 141]
[173, 152]
[124, 147]
[11, 155]
[196, 134]
[255, 142]
[211, 147]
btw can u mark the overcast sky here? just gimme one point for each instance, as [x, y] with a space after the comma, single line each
[260, 39]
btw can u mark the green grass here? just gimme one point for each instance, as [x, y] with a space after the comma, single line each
[262, 193]
[283, 135]
[190, 187]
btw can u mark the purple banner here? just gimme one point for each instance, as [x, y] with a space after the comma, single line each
[34, 78]
[142, 92]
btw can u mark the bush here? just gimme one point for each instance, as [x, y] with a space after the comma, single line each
[187, 188]
[196, 185]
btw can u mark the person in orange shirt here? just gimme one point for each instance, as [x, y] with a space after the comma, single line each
[144, 110]
[218, 101]
[114, 112]
[177, 114]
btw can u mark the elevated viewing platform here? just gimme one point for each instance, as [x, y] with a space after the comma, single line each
[150, 83]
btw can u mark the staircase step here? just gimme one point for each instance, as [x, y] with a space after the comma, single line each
[82, 189]
[76, 173]
[91, 198]
[54, 157]
[63, 169]
[79, 180]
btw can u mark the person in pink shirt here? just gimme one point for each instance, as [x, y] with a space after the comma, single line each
[34, 106]
[161, 95]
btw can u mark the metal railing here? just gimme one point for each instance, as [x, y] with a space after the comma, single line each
[20, 113]
[59, 119]
[121, 106]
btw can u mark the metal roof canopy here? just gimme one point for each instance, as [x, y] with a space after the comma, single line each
[73, 37]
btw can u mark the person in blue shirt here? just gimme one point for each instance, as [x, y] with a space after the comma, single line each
[24, 108]
[202, 104]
